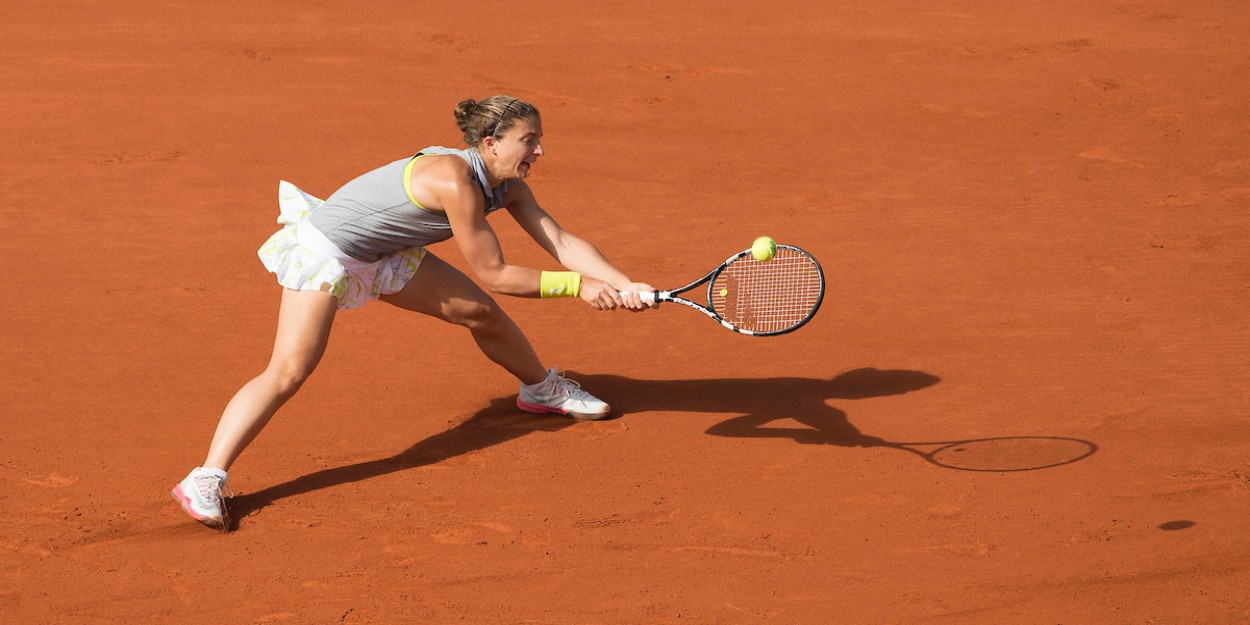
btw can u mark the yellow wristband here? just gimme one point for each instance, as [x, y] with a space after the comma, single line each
[560, 284]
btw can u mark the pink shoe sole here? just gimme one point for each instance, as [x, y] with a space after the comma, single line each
[185, 502]
[539, 408]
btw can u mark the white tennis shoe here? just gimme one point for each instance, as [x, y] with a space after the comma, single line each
[199, 494]
[561, 395]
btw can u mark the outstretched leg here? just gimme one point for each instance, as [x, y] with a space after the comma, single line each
[304, 321]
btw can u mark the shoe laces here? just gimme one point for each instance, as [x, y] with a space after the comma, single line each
[212, 488]
[563, 385]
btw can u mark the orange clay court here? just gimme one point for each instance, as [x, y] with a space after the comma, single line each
[1024, 400]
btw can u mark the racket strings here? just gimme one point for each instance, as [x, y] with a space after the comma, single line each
[768, 296]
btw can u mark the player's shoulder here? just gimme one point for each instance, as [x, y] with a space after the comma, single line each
[444, 164]
[518, 194]
[446, 171]
[519, 188]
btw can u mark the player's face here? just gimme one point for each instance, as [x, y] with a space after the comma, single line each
[517, 148]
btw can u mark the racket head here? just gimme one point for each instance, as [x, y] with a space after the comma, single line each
[767, 298]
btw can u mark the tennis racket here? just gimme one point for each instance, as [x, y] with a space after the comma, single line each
[759, 298]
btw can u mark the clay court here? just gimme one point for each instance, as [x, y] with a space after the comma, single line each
[1023, 401]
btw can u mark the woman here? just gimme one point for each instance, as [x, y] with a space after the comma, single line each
[367, 242]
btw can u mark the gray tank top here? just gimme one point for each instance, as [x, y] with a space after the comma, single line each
[372, 215]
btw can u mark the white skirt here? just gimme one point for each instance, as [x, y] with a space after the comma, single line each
[305, 260]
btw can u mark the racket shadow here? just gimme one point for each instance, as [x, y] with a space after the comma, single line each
[495, 424]
[1002, 454]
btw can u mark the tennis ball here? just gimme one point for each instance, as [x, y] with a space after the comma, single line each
[764, 249]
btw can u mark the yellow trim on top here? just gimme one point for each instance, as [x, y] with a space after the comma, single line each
[408, 186]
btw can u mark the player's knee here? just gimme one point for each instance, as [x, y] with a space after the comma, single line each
[482, 314]
[287, 376]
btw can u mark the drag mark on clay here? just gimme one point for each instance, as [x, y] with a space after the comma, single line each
[608, 521]
[733, 551]
[53, 480]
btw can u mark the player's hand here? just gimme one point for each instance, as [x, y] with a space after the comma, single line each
[599, 294]
[631, 296]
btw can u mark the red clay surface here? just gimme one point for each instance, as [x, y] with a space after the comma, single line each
[1033, 217]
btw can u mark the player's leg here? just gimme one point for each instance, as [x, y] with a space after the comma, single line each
[304, 321]
[442, 291]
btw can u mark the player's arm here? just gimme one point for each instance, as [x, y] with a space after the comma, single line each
[575, 253]
[451, 188]
[454, 189]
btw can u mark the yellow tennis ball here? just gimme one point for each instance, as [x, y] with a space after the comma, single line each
[764, 249]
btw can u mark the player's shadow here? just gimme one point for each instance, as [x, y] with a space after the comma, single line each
[766, 400]
[497, 423]
[763, 400]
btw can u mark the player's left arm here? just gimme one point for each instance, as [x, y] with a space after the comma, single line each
[570, 250]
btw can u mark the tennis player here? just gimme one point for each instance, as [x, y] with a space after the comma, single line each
[367, 241]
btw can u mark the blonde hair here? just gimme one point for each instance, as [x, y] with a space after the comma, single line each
[490, 117]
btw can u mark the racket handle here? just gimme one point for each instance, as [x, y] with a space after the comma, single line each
[647, 296]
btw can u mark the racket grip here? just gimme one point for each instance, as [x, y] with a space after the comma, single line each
[647, 296]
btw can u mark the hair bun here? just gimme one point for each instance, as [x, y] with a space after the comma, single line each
[464, 110]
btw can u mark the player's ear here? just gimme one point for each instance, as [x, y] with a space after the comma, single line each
[488, 143]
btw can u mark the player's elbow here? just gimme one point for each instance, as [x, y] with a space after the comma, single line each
[566, 246]
[494, 280]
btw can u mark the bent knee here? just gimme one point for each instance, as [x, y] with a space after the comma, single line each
[481, 314]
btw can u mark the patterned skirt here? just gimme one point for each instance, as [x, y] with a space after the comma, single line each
[305, 260]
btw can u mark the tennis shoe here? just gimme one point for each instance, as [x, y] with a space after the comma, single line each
[561, 395]
[200, 494]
